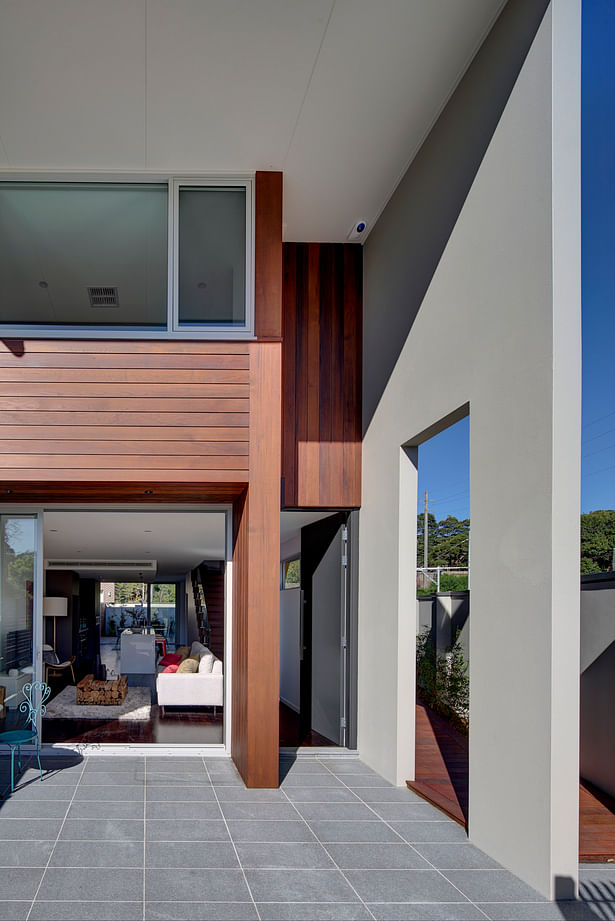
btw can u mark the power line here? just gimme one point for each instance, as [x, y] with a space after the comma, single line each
[599, 451]
[599, 435]
[599, 419]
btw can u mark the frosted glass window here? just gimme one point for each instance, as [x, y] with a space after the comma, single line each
[212, 256]
[83, 254]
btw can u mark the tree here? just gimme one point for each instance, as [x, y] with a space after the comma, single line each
[597, 540]
[449, 541]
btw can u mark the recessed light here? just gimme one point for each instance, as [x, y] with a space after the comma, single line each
[202, 284]
[148, 492]
[43, 284]
[9, 491]
[53, 530]
[147, 531]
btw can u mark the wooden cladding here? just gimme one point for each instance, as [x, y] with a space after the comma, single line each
[268, 256]
[126, 411]
[256, 582]
[321, 376]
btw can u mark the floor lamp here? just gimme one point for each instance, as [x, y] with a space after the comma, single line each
[55, 607]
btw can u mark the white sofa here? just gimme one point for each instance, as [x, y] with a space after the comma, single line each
[204, 688]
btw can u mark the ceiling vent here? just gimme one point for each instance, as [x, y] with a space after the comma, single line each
[103, 296]
[144, 566]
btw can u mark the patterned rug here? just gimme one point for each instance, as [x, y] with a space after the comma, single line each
[137, 706]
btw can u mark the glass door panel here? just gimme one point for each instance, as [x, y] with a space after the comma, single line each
[18, 543]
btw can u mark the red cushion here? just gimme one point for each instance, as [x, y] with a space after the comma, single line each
[171, 658]
[171, 668]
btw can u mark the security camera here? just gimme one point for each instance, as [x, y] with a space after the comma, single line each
[358, 231]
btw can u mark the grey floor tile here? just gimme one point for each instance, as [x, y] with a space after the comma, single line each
[352, 831]
[109, 794]
[446, 830]
[120, 854]
[114, 763]
[308, 794]
[347, 766]
[492, 886]
[182, 811]
[87, 911]
[302, 767]
[460, 856]
[60, 883]
[277, 885]
[403, 886]
[388, 795]
[364, 781]
[33, 809]
[337, 812]
[598, 885]
[260, 811]
[429, 911]
[20, 882]
[200, 911]
[14, 910]
[32, 830]
[189, 854]
[544, 911]
[102, 830]
[304, 855]
[112, 778]
[407, 812]
[218, 885]
[310, 911]
[380, 856]
[95, 810]
[202, 793]
[55, 776]
[185, 829]
[315, 780]
[179, 779]
[35, 792]
[236, 794]
[24, 854]
[253, 830]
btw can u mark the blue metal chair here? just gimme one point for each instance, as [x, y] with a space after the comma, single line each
[18, 737]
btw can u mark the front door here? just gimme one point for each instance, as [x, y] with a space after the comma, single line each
[324, 575]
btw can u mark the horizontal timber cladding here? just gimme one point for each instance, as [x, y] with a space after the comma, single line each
[124, 411]
[321, 375]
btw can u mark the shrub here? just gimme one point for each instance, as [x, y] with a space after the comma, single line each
[442, 677]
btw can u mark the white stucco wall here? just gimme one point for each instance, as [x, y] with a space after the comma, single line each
[499, 328]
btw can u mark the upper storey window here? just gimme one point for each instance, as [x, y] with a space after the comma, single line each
[141, 259]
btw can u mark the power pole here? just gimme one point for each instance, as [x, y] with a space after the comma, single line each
[425, 535]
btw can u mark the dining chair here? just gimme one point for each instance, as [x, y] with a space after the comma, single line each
[15, 738]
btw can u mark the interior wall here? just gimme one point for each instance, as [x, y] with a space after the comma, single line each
[290, 635]
[475, 266]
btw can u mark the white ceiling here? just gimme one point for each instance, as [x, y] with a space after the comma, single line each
[178, 541]
[338, 94]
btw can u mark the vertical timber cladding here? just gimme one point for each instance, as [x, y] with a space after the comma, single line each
[256, 516]
[321, 432]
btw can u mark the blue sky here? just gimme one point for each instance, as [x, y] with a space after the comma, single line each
[444, 461]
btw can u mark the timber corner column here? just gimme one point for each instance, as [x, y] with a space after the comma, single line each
[256, 582]
[256, 514]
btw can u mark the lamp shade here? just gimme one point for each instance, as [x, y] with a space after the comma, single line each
[55, 607]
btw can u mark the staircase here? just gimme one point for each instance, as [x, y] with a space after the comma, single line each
[200, 605]
[208, 590]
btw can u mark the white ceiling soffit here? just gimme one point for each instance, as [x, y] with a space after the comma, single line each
[339, 95]
[177, 541]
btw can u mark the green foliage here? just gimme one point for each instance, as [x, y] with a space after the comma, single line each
[448, 543]
[443, 676]
[292, 574]
[597, 541]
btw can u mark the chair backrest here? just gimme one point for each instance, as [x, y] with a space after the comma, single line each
[29, 705]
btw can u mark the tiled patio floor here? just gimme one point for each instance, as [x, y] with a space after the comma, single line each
[182, 838]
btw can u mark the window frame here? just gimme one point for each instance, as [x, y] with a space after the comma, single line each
[173, 330]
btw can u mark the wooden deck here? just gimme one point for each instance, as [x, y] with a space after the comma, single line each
[442, 779]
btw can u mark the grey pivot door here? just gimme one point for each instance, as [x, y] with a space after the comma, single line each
[324, 575]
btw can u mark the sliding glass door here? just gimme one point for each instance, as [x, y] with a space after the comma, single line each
[18, 633]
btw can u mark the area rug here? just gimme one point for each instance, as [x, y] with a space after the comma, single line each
[137, 706]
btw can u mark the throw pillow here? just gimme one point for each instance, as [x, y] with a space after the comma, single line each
[182, 651]
[188, 666]
[171, 658]
[171, 669]
[50, 656]
[206, 664]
